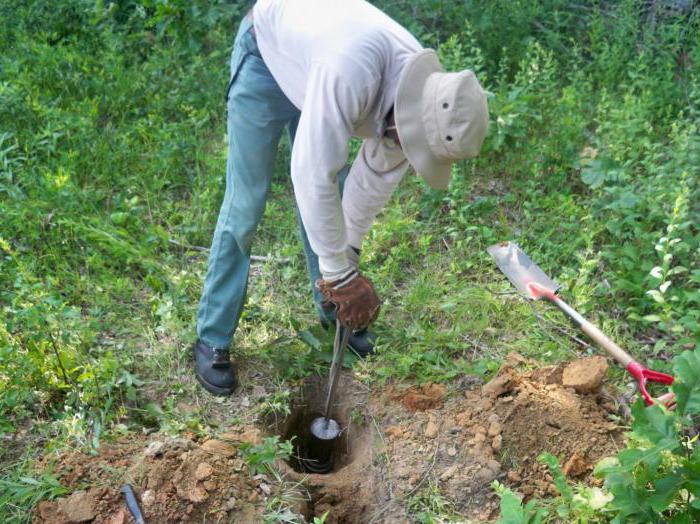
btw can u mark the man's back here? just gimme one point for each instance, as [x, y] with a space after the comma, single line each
[359, 42]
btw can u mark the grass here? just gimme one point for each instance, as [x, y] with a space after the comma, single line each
[112, 153]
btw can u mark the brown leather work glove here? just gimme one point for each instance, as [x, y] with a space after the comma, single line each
[356, 302]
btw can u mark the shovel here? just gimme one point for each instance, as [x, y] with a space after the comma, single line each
[534, 284]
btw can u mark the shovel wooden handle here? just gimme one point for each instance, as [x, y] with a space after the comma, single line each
[589, 329]
[594, 333]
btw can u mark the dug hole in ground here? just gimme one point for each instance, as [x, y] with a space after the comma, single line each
[397, 440]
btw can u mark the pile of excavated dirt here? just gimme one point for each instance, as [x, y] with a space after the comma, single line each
[175, 479]
[495, 432]
[396, 442]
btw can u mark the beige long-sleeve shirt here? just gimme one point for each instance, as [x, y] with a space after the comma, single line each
[339, 62]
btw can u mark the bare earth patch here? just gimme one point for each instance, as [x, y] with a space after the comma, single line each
[396, 441]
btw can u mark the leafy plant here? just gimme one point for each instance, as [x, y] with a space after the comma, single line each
[261, 457]
[512, 509]
[25, 491]
[657, 477]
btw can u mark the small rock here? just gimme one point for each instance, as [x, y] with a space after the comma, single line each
[49, 512]
[196, 494]
[203, 471]
[484, 404]
[463, 418]
[494, 466]
[431, 429]
[393, 432]
[210, 485]
[502, 383]
[513, 476]
[485, 475]
[79, 507]
[585, 375]
[117, 518]
[252, 436]
[495, 429]
[452, 452]
[448, 473]
[497, 443]
[576, 465]
[154, 449]
[148, 498]
[265, 489]
[218, 447]
[230, 504]
[427, 396]
[479, 429]
[514, 359]
[479, 438]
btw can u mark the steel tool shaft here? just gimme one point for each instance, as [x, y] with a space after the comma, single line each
[342, 335]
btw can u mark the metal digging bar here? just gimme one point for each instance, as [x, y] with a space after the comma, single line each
[317, 457]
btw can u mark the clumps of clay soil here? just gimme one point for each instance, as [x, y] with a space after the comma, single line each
[520, 416]
[464, 441]
[175, 479]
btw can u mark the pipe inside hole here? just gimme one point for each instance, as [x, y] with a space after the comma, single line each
[317, 455]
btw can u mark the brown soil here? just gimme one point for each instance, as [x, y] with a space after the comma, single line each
[397, 442]
[175, 479]
[493, 433]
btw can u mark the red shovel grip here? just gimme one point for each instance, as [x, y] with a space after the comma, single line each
[644, 375]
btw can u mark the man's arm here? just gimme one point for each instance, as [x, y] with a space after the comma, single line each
[376, 171]
[331, 107]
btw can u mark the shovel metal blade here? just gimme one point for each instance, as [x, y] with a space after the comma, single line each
[520, 270]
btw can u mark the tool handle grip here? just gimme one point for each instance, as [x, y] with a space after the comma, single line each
[132, 504]
[608, 345]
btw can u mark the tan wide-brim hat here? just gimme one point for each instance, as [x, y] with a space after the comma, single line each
[440, 117]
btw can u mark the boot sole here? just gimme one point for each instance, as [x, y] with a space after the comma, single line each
[215, 390]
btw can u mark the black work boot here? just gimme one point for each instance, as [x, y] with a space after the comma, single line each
[214, 369]
[361, 341]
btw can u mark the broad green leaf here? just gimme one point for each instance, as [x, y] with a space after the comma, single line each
[666, 489]
[687, 385]
[511, 509]
[655, 424]
[631, 503]
[656, 295]
[604, 465]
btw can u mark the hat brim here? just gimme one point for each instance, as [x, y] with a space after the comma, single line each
[408, 114]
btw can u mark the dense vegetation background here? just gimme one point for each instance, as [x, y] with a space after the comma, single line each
[112, 153]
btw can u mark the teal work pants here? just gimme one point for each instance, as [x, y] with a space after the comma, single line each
[258, 112]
